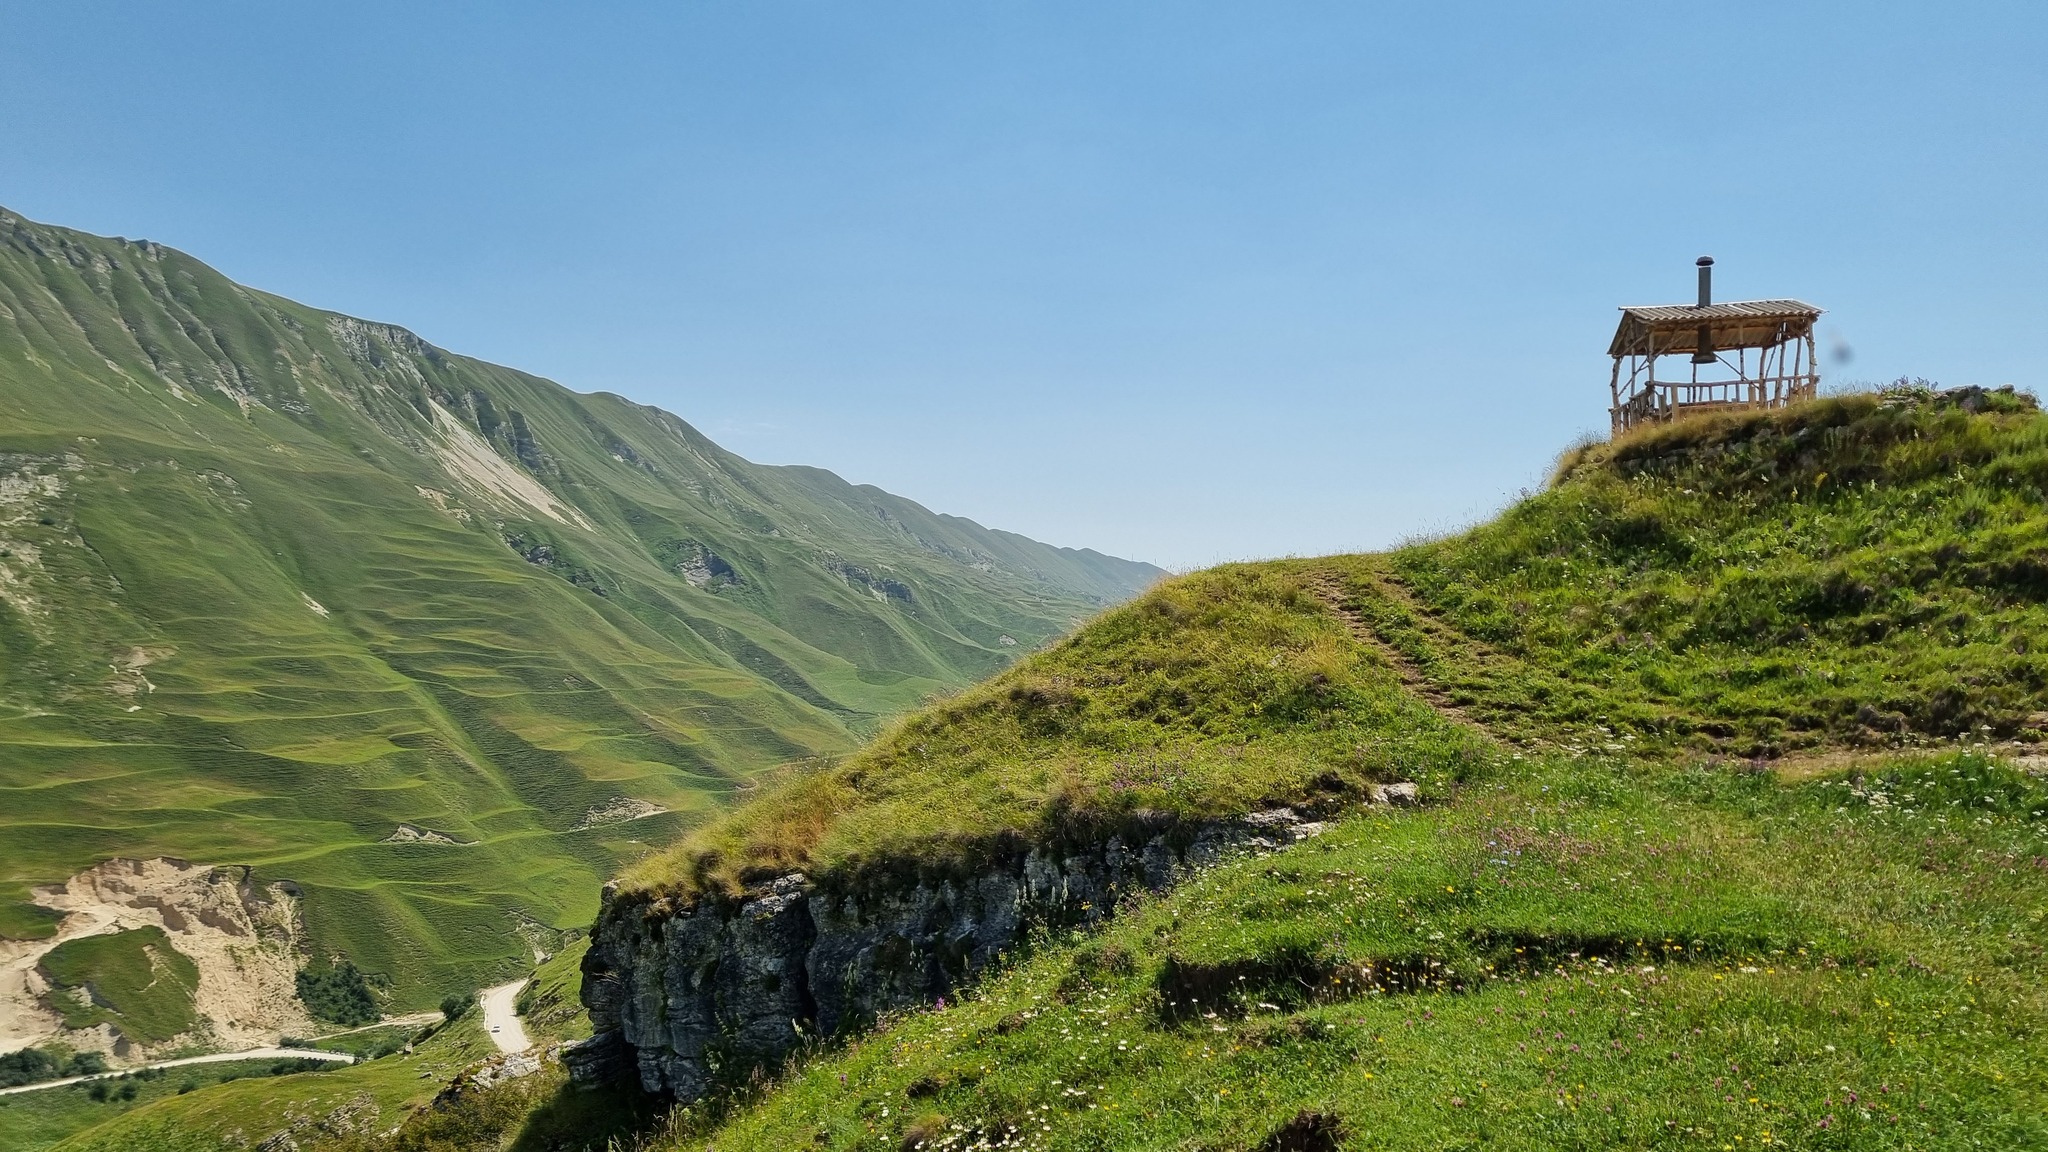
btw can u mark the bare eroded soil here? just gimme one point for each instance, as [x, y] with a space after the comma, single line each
[244, 940]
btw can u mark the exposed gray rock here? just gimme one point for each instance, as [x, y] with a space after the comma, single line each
[1404, 795]
[708, 991]
[602, 1059]
[414, 834]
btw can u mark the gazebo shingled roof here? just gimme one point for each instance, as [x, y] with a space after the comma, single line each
[1739, 324]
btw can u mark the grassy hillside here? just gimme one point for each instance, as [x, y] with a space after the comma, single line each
[1697, 588]
[134, 980]
[424, 1100]
[1577, 954]
[1156, 707]
[342, 1108]
[1867, 571]
[322, 1106]
[1728, 843]
[33, 1121]
[277, 584]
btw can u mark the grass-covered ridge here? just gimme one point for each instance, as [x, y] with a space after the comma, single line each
[1862, 571]
[1212, 695]
[1868, 570]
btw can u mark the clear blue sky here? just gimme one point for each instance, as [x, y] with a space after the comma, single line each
[1184, 281]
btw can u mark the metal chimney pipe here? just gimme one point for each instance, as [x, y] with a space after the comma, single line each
[1703, 352]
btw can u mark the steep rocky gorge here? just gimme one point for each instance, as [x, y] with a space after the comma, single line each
[686, 995]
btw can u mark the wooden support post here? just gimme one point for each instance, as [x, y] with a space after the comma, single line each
[1614, 393]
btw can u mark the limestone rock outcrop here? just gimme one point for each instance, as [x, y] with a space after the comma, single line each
[689, 994]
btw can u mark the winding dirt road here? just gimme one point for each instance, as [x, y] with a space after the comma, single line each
[501, 1017]
[501, 1021]
[215, 1058]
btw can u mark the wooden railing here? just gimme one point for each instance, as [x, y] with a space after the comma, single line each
[1664, 400]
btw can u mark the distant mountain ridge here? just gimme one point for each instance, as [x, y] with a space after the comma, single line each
[277, 583]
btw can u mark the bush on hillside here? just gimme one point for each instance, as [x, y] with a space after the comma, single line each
[454, 1006]
[337, 994]
[27, 1066]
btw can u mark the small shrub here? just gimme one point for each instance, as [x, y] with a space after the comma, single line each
[337, 994]
[26, 1067]
[923, 1132]
[1105, 959]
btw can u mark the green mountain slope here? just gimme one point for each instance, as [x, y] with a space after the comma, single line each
[1731, 837]
[277, 585]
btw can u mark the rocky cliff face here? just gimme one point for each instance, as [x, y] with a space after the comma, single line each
[686, 996]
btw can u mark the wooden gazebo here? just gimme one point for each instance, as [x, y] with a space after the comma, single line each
[1780, 332]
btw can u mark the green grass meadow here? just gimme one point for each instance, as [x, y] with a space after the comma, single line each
[1730, 830]
[34, 1121]
[1576, 953]
[1862, 571]
[134, 980]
